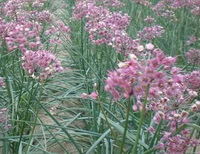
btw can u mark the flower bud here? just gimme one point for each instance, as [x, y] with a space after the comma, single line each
[198, 104]
[194, 107]
[133, 56]
[149, 46]
[184, 113]
[140, 48]
[121, 64]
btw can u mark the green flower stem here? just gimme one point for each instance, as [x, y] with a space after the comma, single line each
[104, 113]
[26, 115]
[35, 120]
[150, 150]
[107, 122]
[141, 121]
[126, 126]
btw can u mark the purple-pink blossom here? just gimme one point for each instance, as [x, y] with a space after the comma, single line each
[176, 144]
[193, 56]
[170, 90]
[5, 118]
[149, 33]
[23, 36]
[192, 80]
[2, 83]
[93, 95]
[41, 64]
[106, 27]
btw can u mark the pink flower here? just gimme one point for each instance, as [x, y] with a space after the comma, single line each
[149, 33]
[168, 95]
[192, 40]
[194, 108]
[12, 6]
[63, 27]
[160, 146]
[193, 56]
[2, 83]
[149, 46]
[198, 104]
[84, 95]
[151, 130]
[5, 118]
[149, 19]
[106, 27]
[133, 76]
[135, 108]
[192, 80]
[44, 16]
[19, 34]
[166, 8]
[176, 144]
[93, 95]
[41, 62]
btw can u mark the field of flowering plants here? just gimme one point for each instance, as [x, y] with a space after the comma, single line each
[99, 76]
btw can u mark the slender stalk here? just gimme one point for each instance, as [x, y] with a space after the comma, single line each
[141, 121]
[150, 150]
[5, 147]
[104, 113]
[107, 122]
[182, 34]
[126, 126]
[82, 47]
[35, 121]
[26, 115]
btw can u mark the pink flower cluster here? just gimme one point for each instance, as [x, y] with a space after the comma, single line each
[193, 56]
[192, 39]
[2, 83]
[3, 26]
[41, 64]
[196, 107]
[149, 33]
[83, 7]
[134, 76]
[57, 32]
[86, 7]
[24, 35]
[168, 92]
[93, 95]
[177, 144]
[166, 8]
[11, 7]
[105, 27]
[193, 80]
[23, 30]
[44, 16]
[16, 9]
[4, 119]
[149, 19]
[194, 5]
[38, 3]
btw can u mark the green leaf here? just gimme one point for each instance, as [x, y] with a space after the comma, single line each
[194, 126]
[129, 135]
[91, 149]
